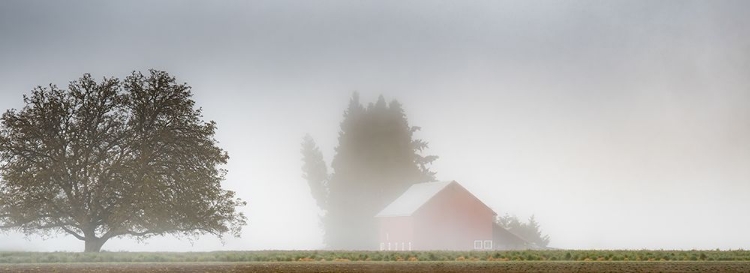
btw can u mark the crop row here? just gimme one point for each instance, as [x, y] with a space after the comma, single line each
[318, 256]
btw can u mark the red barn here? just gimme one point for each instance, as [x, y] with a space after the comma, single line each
[439, 216]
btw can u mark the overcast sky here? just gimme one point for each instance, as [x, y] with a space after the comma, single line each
[619, 124]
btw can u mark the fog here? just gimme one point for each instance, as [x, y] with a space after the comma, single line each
[618, 124]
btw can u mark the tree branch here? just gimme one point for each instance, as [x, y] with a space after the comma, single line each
[75, 234]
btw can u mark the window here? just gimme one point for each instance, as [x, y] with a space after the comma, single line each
[477, 244]
[487, 244]
[403, 247]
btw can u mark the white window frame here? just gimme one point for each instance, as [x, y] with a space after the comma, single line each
[404, 246]
[487, 244]
[478, 244]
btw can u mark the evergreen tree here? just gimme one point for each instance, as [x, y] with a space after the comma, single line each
[531, 231]
[535, 233]
[315, 171]
[376, 160]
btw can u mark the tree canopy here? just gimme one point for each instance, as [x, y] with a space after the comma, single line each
[114, 158]
[376, 160]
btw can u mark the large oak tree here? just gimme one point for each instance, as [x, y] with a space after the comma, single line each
[100, 160]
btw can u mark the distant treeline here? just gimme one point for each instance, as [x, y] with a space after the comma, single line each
[344, 256]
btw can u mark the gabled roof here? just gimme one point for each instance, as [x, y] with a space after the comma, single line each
[413, 198]
[416, 196]
[504, 236]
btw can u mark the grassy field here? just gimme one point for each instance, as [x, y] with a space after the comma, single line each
[481, 266]
[343, 256]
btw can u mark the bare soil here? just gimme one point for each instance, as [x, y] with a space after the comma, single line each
[384, 267]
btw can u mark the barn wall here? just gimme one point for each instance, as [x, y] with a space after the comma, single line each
[396, 233]
[452, 220]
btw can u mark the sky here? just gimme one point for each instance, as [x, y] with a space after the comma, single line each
[618, 124]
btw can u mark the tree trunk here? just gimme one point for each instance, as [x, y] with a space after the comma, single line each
[94, 244]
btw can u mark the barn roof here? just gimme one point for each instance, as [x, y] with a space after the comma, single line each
[503, 236]
[413, 198]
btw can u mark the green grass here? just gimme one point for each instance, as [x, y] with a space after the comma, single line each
[296, 256]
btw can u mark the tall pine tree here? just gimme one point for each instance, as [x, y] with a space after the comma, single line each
[376, 160]
[315, 171]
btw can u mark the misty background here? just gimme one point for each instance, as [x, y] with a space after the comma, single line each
[619, 124]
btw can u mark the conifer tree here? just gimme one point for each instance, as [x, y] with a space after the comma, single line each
[376, 160]
[531, 231]
[315, 171]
